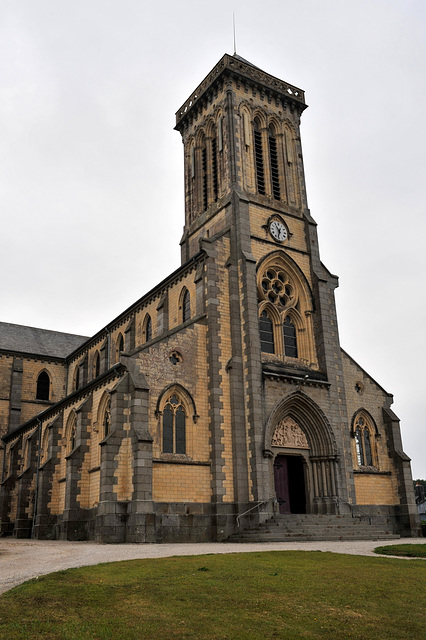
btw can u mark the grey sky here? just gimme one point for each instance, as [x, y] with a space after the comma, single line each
[91, 175]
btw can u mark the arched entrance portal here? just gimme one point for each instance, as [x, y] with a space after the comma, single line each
[289, 478]
[300, 443]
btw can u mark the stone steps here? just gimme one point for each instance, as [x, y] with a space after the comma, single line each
[301, 527]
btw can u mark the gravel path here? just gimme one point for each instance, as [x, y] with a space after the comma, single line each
[21, 560]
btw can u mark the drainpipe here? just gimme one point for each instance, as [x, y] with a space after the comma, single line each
[37, 477]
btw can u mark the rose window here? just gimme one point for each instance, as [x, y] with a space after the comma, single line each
[277, 288]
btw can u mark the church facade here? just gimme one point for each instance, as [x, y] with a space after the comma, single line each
[222, 397]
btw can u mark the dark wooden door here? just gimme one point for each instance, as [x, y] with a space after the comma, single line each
[289, 477]
[281, 483]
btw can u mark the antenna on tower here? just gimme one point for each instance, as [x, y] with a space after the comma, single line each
[235, 37]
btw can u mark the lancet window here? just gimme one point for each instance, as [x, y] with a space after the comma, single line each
[364, 436]
[258, 157]
[96, 365]
[43, 386]
[174, 425]
[147, 328]
[71, 433]
[273, 161]
[186, 305]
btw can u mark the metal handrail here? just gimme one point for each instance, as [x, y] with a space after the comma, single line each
[256, 506]
[352, 507]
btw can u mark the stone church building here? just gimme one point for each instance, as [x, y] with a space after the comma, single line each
[221, 400]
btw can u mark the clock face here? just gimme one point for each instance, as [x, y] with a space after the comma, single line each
[278, 231]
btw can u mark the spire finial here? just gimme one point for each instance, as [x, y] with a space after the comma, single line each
[235, 37]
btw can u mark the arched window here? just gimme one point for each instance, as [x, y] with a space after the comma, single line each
[43, 386]
[285, 296]
[44, 454]
[106, 419]
[258, 157]
[71, 433]
[266, 329]
[77, 383]
[363, 442]
[96, 365]
[148, 328]
[119, 346]
[174, 425]
[290, 338]
[186, 306]
[214, 166]
[273, 160]
[204, 176]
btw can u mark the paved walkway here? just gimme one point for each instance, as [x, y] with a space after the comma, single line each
[21, 560]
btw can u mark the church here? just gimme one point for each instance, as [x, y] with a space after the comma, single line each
[220, 403]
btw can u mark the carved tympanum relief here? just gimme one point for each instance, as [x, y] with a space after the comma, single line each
[288, 434]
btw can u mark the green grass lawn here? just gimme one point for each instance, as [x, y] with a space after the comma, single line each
[406, 550]
[239, 596]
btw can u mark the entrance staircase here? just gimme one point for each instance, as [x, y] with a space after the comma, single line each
[305, 527]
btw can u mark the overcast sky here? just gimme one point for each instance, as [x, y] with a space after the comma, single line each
[91, 171]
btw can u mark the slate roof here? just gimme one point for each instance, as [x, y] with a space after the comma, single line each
[18, 338]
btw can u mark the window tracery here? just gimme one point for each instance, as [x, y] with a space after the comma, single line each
[174, 425]
[285, 307]
[364, 437]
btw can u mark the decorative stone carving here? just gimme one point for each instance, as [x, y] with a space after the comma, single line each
[288, 434]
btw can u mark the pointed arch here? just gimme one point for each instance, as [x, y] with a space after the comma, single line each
[291, 170]
[187, 399]
[96, 364]
[45, 440]
[147, 328]
[174, 408]
[311, 420]
[119, 346]
[274, 165]
[185, 304]
[364, 433]
[43, 385]
[77, 378]
[282, 286]
[280, 259]
[71, 432]
[104, 415]
[259, 159]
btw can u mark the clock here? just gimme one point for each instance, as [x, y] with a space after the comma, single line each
[278, 230]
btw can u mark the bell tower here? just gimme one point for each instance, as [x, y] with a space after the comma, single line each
[270, 306]
[240, 131]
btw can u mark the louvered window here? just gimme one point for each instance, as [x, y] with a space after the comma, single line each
[214, 168]
[258, 157]
[204, 176]
[273, 158]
